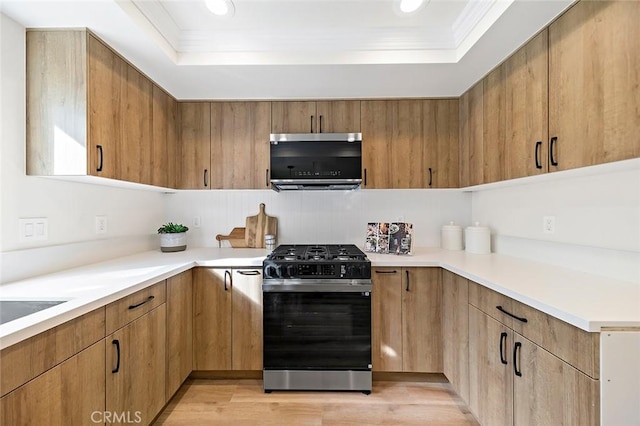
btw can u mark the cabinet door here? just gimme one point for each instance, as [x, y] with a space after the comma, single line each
[386, 321]
[164, 141]
[455, 332]
[441, 143]
[593, 84]
[135, 149]
[549, 391]
[293, 117]
[494, 115]
[526, 109]
[421, 320]
[471, 131]
[377, 131]
[211, 319]
[135, 374]
[195, 144]
[247, 320]
[490, 372]
[179, 330]
[240, 145]
[68, 394]
[338, 116]
[104, 87]
[406, 145]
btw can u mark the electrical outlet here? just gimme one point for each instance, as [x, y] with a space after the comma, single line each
[101, 224]
[549, 224]
[196, 222]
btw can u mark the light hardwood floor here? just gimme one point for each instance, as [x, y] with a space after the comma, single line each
[242, 402]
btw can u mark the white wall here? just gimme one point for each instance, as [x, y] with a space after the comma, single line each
[319, 216]
[597, 214]
[133, 215]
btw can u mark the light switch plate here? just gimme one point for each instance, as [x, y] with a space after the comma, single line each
[33, 229]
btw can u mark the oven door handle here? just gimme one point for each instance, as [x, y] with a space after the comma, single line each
[365, 289]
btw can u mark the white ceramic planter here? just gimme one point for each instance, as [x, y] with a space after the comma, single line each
[173, 242]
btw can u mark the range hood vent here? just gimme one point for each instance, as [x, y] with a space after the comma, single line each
[316, 161]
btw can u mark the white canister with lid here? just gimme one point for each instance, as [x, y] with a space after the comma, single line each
[477, 239]
[451, 237]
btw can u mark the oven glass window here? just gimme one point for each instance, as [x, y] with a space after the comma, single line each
[317, 331]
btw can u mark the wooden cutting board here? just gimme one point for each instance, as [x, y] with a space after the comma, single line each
[236, 238]
[259, 225]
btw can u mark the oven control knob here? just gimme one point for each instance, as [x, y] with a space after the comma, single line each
[352, 271]
[291, 271]
[272, 271]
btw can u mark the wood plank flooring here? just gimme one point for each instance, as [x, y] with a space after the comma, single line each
[242, 402]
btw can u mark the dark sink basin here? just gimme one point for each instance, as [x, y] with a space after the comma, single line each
[13, 309]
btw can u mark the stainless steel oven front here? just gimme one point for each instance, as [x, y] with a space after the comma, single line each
[317, 335]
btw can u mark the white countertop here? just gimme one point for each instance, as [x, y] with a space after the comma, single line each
[586, 301]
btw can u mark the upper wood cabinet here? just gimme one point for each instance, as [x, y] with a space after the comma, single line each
[410, 143]
[594, 106]
[89, 112]
[240, 145]
[406, 320]
[315, 117]
[494, 116]
[471, 134]
[164, 148]
[194, 151]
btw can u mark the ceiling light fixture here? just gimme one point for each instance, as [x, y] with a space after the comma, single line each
[220, 7]
[408, 6]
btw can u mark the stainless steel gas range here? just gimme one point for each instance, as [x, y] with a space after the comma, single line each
[317, 318]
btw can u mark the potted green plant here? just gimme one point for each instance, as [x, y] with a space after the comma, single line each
[173, 237]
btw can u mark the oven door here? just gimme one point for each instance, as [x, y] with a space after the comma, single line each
[317, 330]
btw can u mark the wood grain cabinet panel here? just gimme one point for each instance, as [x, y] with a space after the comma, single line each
[338, 116]
[135, 367]
[194, 126]
[455, 332]
[471, 137]
[179, 331]
[246, 319]
[494, 115]
[164, 142]
[315, 117]
[441, 143]
[68, 394]
[124, 310]
[240, 145]
[386, 319]
[594, 107]
[377, 131]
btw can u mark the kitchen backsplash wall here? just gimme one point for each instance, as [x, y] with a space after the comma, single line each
[319, 216]
[69, 207]
[597, 220]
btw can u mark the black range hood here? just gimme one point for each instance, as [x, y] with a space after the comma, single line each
[316, 161]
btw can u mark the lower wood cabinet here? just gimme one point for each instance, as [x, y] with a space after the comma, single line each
[227, 319]
[71, 393]
[179, 331]
[406, 319]
[455, 332]
[135, 367]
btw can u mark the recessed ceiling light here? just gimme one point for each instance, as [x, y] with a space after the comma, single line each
[220, 7]
[408, 6]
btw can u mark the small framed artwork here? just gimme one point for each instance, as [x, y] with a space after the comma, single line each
[389, 237]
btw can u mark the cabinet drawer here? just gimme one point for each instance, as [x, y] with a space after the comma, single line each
[488, 301]
[127, 309]
[576, 347]
[30, 358]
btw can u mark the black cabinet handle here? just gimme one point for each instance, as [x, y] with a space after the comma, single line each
[266, 178]
[407, 273]
[227, 273]
[387, 272]
[249, 272]
[137, 305]
[365, 177]
[503, 337]
[517, 346]
[206, 172]
[311, 124]
[117, 343]
[320, 124]
[430, 176]
[552, 144]
[501, 309]
[536, 153]
[101, 156]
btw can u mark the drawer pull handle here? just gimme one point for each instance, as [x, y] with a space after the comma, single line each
[552, 144]
[517, 346]
[430, 176]
[501, 309]
[407, 288]
[503, 337]
[137, 305]
[537, 154]
[117, 343]
[387, 272]
[227, 273]
[99, 169]
[249, 272]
